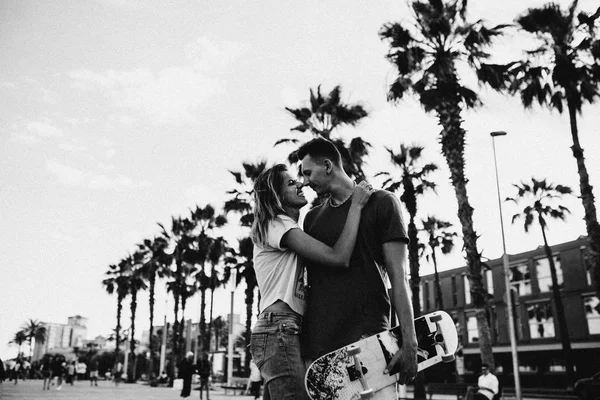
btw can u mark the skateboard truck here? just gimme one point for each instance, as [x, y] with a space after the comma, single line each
[359, 373]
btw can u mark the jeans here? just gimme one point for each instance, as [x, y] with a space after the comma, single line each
[275, 348]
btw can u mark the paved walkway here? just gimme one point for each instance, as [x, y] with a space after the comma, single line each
[32, 390]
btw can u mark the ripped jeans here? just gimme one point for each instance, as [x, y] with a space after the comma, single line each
[275, 348]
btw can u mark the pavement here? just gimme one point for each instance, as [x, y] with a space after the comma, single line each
[106, 390]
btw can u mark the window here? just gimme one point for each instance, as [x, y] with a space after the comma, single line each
[472, 332]
[454, 291]
[520, 278]
[544, 277]
[591, 305]
[489, 281]
[467, 289]
[585, 260]
[541, 321]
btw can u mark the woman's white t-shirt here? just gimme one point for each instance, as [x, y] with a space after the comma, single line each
[279, 273]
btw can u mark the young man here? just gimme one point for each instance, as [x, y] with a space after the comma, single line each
[349, 304]
[94, 370]
[487, 385]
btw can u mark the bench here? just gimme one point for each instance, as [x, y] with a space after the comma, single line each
[458, 389]
[235, 389]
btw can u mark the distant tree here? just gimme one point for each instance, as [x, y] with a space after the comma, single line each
[136, 283]
[540, 198]
[412, 183]
[564, 70]
[156, 263]
[180, 238]
[426, 53]
[438, 236]
[18, 339]
[241, 202]
[34, 330]
[206, 219]
[322, 117]
[117, 282]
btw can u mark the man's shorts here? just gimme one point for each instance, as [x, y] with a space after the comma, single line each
[93, 374]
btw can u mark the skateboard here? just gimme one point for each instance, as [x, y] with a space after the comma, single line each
[356, 371]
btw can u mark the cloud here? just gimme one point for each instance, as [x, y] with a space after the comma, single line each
[35, 132]
[72, 147]
[170, 96]
[71, 176]
[210, 55]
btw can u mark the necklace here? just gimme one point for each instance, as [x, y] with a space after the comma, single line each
[332, 204]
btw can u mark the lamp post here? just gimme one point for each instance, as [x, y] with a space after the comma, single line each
[232, 285]
[509, 302]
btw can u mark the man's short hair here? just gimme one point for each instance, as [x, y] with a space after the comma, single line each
[321, 148]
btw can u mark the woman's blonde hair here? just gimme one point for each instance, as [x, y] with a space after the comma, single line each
[267, 203]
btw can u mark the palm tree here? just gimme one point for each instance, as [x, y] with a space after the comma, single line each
[412, 183]
[540, 196]
[217, 252]
[242, 260]
[136, 283]
[181, 239]
[34, 330]
[325, 114]
[19, 338]
[427, 59]
[438, 235]
[207, 220]
[241, 203]
[117, 281]
[564, 69]
[157, 263]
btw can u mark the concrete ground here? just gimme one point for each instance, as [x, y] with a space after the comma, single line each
[32, 390]
[106, 390]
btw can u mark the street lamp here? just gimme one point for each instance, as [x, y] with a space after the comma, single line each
[509, 303]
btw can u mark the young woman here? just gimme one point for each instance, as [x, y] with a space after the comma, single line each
[279, 244]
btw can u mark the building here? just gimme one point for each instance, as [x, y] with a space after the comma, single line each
[541, 359]
[62, 338]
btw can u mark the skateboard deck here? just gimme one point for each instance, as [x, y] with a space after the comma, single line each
[337, 376]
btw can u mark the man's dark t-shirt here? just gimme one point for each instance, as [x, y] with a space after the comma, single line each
[347, 304]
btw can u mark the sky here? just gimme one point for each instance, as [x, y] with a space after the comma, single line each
[118, 114]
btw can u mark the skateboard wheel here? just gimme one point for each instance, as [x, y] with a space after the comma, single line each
[448, 358]
[367, 394]
[353, 350]
[436, 318]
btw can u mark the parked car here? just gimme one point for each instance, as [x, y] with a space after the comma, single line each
[588, 388]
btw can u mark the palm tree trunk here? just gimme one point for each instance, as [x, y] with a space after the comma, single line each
[202, 319]
[439, 301]
[560, 311]
[118, 332]
[174, 350]
[249, 303]
[587, 198]
[453, 143]
[182, 343]
[133, 308]
[413, 261]
[210, 318]
[152, 279]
